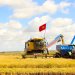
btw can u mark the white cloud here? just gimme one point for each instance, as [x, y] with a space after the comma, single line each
[11, 36]
[61, 22]
[64, 4]
[50, 6]
[28, 8]
[31, 9]
[36, 22]
[2, 25]
[64, 26]
[2, 31]
[14, 25]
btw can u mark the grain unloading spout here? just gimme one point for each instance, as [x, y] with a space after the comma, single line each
[57, 39]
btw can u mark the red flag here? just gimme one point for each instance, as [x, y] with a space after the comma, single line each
[42, 27]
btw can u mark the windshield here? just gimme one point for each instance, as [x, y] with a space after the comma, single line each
[40, 43]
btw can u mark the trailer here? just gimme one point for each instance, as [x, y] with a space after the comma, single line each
[63, 50]
[66, 50]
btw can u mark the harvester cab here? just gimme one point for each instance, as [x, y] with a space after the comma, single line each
[34, 46]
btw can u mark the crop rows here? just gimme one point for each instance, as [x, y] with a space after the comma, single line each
[16, 62]
[15, 65]
[37, 71]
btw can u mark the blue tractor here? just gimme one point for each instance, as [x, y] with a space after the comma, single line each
[66, 50]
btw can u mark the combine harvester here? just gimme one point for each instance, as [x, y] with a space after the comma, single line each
[64, 50]
[35, 46]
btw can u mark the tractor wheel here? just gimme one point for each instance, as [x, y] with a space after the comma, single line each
[23, 56]
[67, 55]
[57, 55]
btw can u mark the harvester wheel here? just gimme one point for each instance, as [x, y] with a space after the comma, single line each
[35, 55]
[66, 55]
[23, 56]
[46, 51]
[45, 55]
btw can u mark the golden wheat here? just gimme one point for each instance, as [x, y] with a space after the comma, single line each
[13, 63]
[34, 70]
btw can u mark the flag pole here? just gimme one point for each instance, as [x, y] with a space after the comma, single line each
[45, 34]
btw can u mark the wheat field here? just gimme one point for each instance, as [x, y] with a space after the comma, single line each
[12, 63]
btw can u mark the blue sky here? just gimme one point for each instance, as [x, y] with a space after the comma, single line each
[20, 21]
[5, 12]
